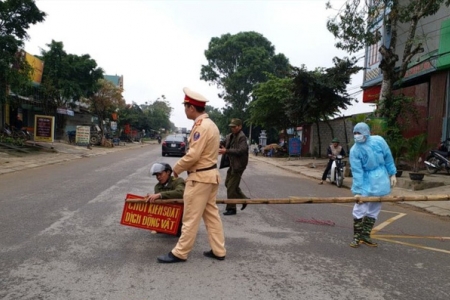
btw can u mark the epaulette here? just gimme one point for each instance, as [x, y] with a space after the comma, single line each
[199, 122]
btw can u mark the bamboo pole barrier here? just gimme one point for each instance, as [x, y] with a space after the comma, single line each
[312, 200]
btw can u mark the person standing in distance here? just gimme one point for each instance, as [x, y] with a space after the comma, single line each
[236, 148]
[202, 184]
[373, 172]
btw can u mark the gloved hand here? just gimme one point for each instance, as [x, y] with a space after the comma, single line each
[358, 200]
[393, 180]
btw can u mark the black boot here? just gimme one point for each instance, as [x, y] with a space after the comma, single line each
[357, 231]
[367, 226]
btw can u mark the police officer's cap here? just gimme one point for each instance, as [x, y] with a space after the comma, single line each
[194, 98]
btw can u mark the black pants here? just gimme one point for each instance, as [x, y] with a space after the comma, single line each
[232, 182]
[327, 169]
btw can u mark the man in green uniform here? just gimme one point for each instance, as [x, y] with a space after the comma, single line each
[236, 148]
[168, 187]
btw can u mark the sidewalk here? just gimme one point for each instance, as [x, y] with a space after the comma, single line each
[53, 153]
[435, 184]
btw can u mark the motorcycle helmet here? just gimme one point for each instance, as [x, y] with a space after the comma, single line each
[159, 167]
[335, 140]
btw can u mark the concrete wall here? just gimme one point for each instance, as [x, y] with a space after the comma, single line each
[343, 130]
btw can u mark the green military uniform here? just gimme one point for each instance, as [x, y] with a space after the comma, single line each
[173, 189]
[237, 150]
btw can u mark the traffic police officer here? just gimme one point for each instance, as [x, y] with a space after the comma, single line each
[202, 184]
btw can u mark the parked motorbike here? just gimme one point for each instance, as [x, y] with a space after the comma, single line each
[6, 130]
[336, 174]
[438, 159]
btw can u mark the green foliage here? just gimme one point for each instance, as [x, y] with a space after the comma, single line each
[68, 77]
[105, 101]
[12, 140]
[151, 117]
[16, 16]
[399, 106]
[396, 142]
[219, 118]
[321, 93]
[236, 63]
[268, 107]
[416, 146]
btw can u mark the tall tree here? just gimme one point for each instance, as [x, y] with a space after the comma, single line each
[160, 115]
[16, 16]
[268, 107]
[218, 117]
[353, 26]
[67, 78]
[105, 101]
[320, 94]
[236, 63]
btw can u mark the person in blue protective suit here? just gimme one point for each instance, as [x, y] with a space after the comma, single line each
[373, 172]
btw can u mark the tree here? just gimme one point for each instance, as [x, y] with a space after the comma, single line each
[67, 78]
[353, 27]
[105, 101]
[268, 107]
[320, 94]
[236, 63]
[159, 115]
[218, 117]
[149, 116]
[16, 16]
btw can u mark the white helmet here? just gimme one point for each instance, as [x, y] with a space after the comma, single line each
[159, 167]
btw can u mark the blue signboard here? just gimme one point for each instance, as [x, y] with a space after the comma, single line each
[295, 146]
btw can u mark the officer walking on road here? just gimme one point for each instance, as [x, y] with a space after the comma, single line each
[202, 184]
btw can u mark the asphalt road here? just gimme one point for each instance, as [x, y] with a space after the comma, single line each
[61, 239]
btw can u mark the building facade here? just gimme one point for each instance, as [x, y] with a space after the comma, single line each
[428, 75]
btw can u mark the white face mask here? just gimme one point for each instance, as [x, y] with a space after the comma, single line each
[359, 138]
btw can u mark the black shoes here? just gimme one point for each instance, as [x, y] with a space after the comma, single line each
[211, 254]
[244, 206]
[169, 258]
[229, 212]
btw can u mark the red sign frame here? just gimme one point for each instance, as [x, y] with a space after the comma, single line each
[164, 218]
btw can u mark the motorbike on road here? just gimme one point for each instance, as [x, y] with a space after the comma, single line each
[438, 159]
[257, 150]
[336, 174]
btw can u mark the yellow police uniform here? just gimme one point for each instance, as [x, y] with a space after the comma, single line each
[202, 185]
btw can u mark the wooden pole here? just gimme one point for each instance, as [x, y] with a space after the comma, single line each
[313, 200]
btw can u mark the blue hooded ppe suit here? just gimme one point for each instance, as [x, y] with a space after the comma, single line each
[372, 165]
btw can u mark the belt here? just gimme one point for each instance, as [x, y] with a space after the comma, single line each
[204, 169]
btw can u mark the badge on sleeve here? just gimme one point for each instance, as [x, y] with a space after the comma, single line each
[196, 136]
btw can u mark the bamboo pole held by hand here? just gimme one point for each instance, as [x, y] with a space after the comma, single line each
[313, 200]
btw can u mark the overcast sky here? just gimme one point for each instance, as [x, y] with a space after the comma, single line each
[158, 46]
